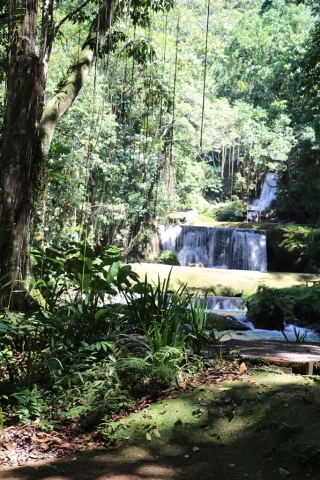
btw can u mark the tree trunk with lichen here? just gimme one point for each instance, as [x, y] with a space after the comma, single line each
[29, 126]
[21, 161]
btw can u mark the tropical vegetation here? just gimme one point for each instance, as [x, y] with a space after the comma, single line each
[113, 115]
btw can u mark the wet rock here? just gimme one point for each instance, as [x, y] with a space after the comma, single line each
[221, 322]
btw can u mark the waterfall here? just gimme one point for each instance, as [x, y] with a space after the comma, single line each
[231, 248]
[225, 303]
[268, 193]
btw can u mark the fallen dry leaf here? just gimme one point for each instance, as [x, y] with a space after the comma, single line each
[44, 446]
[56, 440]
[242, 368]
[9, 446]
[65, 445]
[41, 439]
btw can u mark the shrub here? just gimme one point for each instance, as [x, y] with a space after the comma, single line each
[266, 308]
[230, 212]
[271, 306]
[167, 257]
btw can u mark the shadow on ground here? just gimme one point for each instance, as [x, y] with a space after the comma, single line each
[264, 427]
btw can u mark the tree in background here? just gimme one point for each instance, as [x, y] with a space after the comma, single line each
[137, 142]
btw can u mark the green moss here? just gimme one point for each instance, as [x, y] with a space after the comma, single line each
[245, 429]
[219, 282]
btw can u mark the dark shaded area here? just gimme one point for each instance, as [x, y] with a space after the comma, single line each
[268, 427]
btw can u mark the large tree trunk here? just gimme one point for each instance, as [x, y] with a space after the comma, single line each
[21, 162]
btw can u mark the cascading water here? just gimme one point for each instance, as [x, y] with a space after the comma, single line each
[268, 193]
[231, 248]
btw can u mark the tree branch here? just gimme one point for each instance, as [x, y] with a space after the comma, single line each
[60, 103]
[70, 15]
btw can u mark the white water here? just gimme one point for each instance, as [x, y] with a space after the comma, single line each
[230, 248]
[231, 304]
[259, 334]
[268, 193]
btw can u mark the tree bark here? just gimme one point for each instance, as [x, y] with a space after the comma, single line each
[21, 161]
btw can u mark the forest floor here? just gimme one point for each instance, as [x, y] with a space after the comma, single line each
[237, 422]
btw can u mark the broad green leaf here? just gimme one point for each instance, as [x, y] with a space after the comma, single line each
[112, 272]
[123, 273]
[99, 313]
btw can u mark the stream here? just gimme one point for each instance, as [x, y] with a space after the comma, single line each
[258, 334]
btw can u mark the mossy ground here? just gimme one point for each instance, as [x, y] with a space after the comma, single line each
[264, 426]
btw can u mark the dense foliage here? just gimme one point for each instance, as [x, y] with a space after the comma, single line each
[185, 108]
[146, 146]
[269, 308]
[80, 349]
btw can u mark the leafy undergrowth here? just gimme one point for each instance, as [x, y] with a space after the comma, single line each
[62, 436]
[226, 423]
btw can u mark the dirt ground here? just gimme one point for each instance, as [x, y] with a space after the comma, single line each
[263, 426]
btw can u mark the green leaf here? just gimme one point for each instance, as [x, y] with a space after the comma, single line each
[59, 149]
[84, 280]
[283, 471]
[123, 273]
[112, 272]
[99, 313]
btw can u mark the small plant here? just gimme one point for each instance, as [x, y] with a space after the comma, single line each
[30, 404]
[219, 357]
[75, 284]
[299, 336]
[156, 309]
[167, 257]
[230, 212]
[197, 327]
[267, 308]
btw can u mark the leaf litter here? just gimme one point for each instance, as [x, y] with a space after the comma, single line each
[19, 444]
[31, 443]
